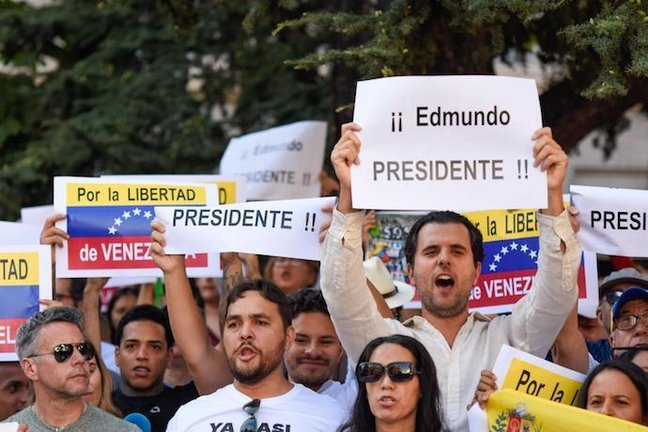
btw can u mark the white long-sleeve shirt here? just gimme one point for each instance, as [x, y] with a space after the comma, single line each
[532, 327]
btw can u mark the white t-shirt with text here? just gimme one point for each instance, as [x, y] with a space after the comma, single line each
[298, 410]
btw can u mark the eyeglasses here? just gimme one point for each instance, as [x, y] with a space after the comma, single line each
[400, 371]
[628, 322]
[251, 408]
[63, 352]
[612, 296]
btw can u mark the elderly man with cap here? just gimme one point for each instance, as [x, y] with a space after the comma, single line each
[630, 320]
[610, 291]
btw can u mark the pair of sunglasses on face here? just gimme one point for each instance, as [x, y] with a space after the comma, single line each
[400, 371]
[63, 352]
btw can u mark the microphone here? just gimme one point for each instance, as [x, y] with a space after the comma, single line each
[139, 420]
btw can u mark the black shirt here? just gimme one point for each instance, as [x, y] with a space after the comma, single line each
[157, 409]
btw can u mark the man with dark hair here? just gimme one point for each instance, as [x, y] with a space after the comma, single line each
[445, 254]
[256, 327]
[314, 355]
[144, 349]
[15, 389]
[54, 355]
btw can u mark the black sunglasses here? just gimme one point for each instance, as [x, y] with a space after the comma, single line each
[399, 371]
[64, 351]
[251, 408]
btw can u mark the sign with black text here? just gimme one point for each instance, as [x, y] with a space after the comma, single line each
[613, 221]
[447, 142]
[283, 162]
[288, 228]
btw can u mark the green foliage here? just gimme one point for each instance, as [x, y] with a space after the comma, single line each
[101, 87]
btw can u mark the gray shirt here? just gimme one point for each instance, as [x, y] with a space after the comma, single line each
[93, 419]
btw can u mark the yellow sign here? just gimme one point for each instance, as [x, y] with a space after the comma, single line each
[101, 194]
[19, 269]
[536, 381]
[505, 224]
[511, 411]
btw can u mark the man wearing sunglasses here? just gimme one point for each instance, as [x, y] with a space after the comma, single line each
[444, 253]
[256, 327]
[54, 355]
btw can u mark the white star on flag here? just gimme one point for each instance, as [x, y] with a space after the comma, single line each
[497, 258]
[533, 254]
[147, 214]
[513, 246]
[112, 230]
[126, 215]
[118, 221]
[137, 211]
[524, 248]
[492, 267]
[504, 250]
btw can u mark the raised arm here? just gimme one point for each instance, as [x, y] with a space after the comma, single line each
[538, 317]
[208, 366]
[353, 309]
[90, 309]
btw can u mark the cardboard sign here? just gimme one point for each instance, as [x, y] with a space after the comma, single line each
[287, 228]
[612, 221]
[447, 142]
[279, 163]
[230, 189]
[25, 277]
[109, 225]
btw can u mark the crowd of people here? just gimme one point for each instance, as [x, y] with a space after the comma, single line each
[301, 346]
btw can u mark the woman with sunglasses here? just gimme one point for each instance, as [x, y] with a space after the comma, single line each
[398, 388]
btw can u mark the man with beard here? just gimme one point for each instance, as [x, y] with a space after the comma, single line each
[54, 355]
[444, 252]
[143, 352]
[314, 355]
[256, 328]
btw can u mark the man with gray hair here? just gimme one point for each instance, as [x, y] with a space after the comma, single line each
[54, 355]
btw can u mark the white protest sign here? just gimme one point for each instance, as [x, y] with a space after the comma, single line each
[612, 221]
[9, 427]
[231, 189]
[109, 224]
[36, 215]
[447, 142]
[287, 228]
[16, 233]
[279, 163]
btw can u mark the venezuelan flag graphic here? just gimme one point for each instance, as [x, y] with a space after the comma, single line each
[113, 237]
[19, 291]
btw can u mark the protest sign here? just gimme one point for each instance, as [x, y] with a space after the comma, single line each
[510, 258]
[16, 233]
[108, 222]
[447, 142]
[25, 276]
[36, 215]
[230, 189]
[288, 228]
[511, 411]
[526, 374]
[279, 163]
[613, 221]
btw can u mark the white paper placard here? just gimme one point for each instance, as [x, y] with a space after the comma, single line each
[447, 142]
[15, 233]
[613, 221]
[279, 163]
[288, 228]
[36, 215]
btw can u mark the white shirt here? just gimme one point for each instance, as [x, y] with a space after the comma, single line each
[298, 410]
[344, 393]
[532, 327]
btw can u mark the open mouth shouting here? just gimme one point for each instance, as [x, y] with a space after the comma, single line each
[445, 281]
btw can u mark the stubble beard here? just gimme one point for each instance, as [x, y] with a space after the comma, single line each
[459, 305]
[267, 364]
